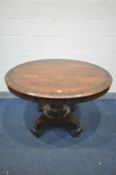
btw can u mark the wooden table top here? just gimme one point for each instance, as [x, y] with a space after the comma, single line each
[58, 78]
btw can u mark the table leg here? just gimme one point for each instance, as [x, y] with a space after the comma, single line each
[56, 116]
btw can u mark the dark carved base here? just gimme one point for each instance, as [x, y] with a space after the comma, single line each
[56, 115]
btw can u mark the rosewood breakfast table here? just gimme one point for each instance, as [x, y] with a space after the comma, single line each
[58, 85]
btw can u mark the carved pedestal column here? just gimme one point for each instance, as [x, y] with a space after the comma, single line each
[56, 115]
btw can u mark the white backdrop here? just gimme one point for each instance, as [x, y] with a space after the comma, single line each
[74, 29]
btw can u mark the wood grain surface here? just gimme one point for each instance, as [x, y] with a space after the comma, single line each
[58, 79]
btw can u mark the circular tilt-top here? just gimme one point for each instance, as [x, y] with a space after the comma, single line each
[58, 78]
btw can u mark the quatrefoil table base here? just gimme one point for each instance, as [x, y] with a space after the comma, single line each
[59, 116]
[58, 85]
